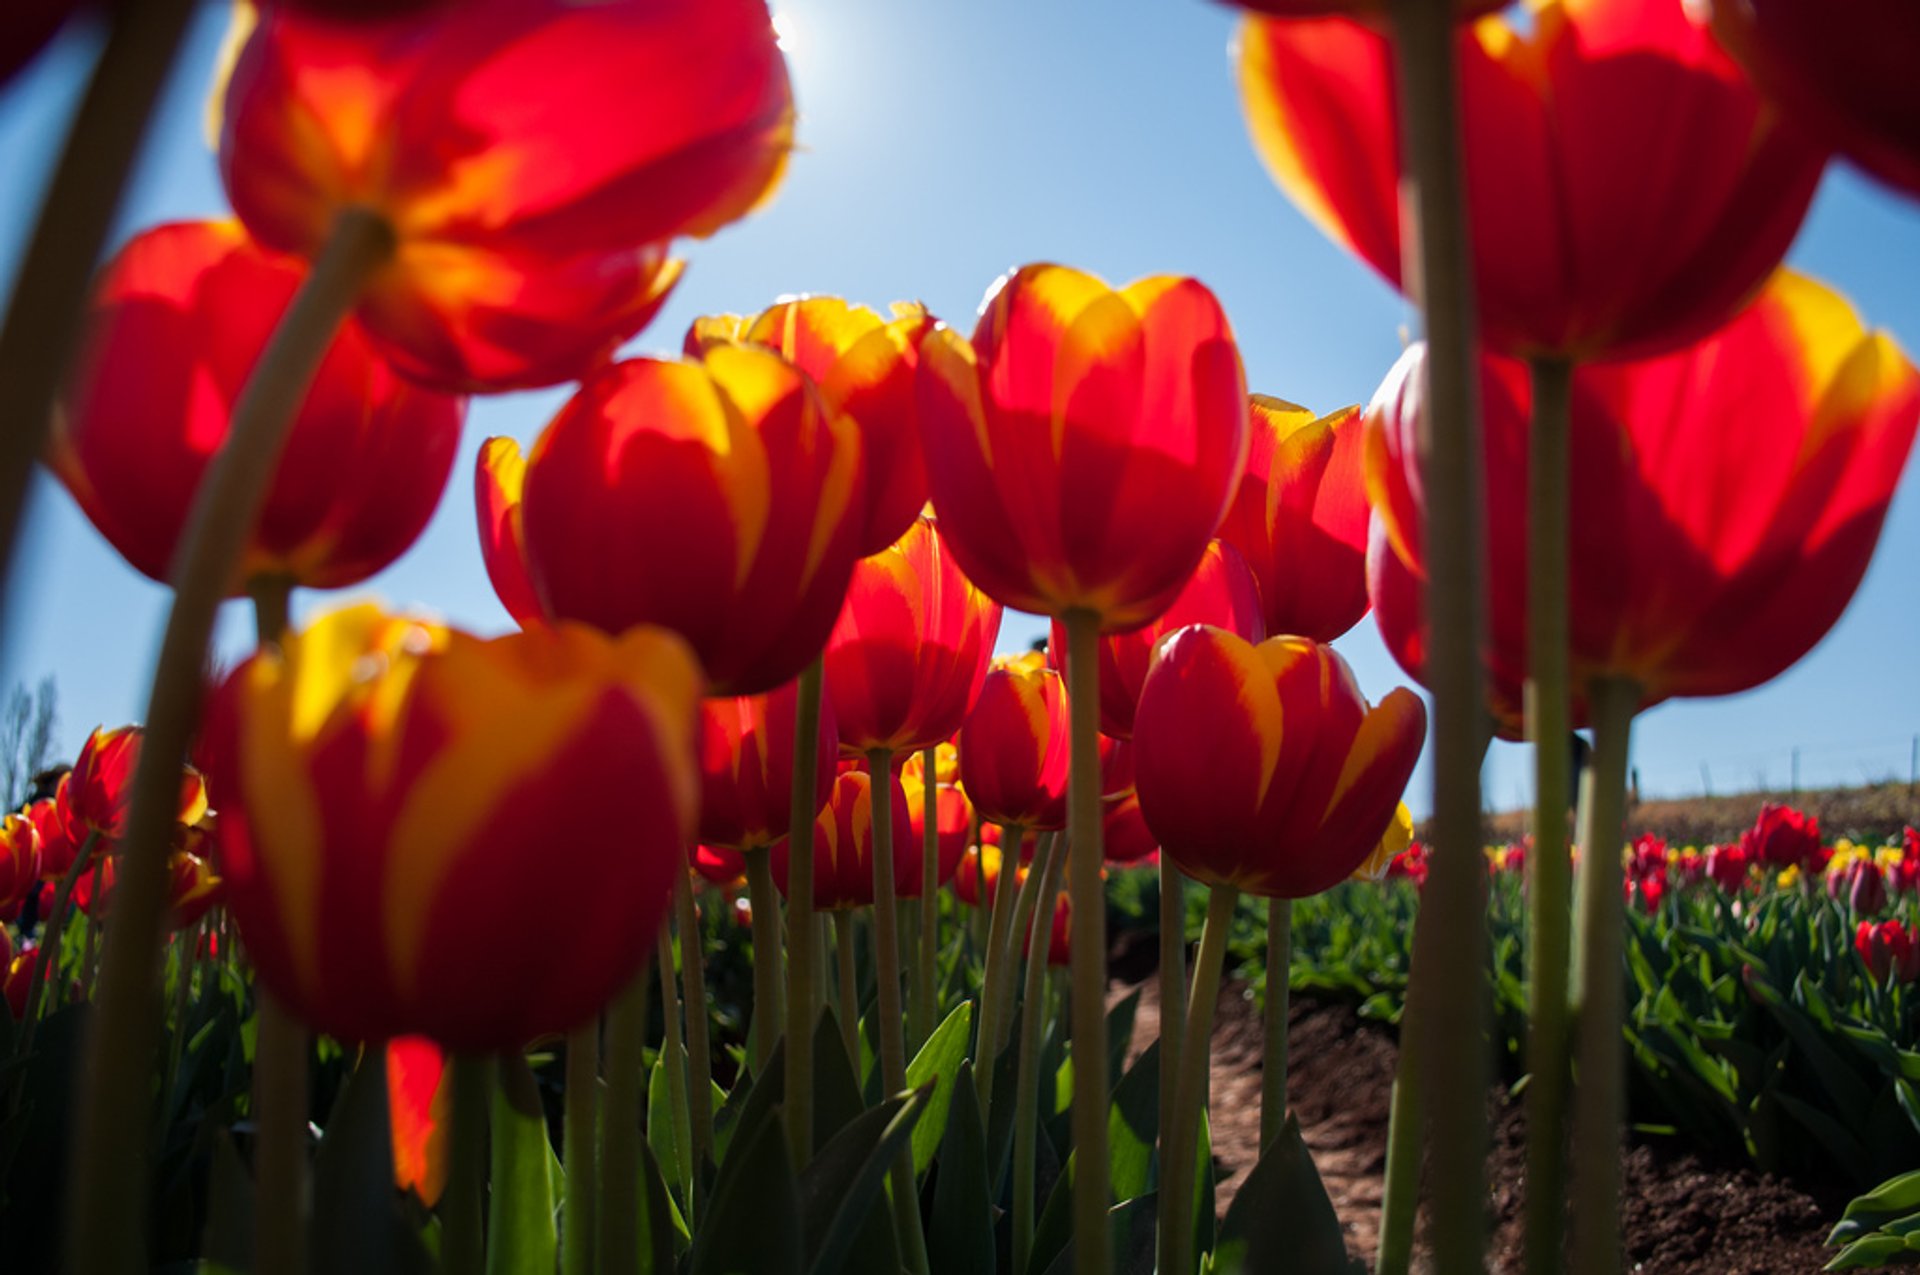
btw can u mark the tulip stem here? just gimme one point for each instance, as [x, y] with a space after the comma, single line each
[693, 981]
[1173, 985]
[616, 1209]
[671, 1058]
[1189, 1096]
[1273, 1066]
[462, 1234]
[1599, 1103]
[886, 965]
[925, 1010]
[187, 963]
[1025, 903]
[82, 200]
[1087, 942]
[577, 1145]
[849, 986]
[801, 931]
[1026, 1115]
[92, 925]
[46, 966]
[280, 1120]
[986, 1052]
[1450, 947]
[1400, 1193]
[107, 1184]
[1549, 726]
[769, 987]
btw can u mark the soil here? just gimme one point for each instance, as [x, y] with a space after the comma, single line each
[1870, 815]
[1681, 1216]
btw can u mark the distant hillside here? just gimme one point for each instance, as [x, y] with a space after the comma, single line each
[1869, 815]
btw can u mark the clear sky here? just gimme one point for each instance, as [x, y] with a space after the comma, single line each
[940, 145]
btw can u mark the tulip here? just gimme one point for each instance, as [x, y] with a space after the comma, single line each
[378, 767]
[1860, 885]
[1124, 832]
[1782, 837]
[953, 823]
[50, 821]
[1221, 592]
[19, 861]
[1397, 840]
[1845, 81]
[531, 161]
[976, 881]
[19, 979]
[1727, 867]
[746, 768]
[865, 367]
[193, 890]
[418, 1107]
[1013, 746]
[178, 320]
[843, 833]
[99, 786]
[733, 461]
[720, 866]
[1889, 950]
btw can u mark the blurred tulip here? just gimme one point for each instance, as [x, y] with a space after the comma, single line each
[1888, 948]
[1059, 950]
[1585, 240]
[18, 983]
[907, 656]
[1845, 76]
[1082, 449]
[101, 783]
[1782, 837]
[1221, 592]
[843, 847]
[19, 861]
[1262, 767]
[1727, 867]
[1013, 747]
[952, 822]
[1726, 500]
[746, 767]
[533, 159]
[1125, 837]
[865, 367]
[381, 783]
[719, 499]
[50, 822]
[992, 834]
[178, 320]
[977, 879]
[946, 765]
[1860, 886]
[1300, 519]
[1396, 840]
[193, 888]
[419, 1107]
[720, 866]
[1410, 863]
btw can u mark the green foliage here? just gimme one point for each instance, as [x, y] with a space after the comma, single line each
[1881, 1228]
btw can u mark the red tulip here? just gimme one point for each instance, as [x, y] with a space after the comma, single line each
[1082, 450]
[719, 499]
[18, 983]
[192, 889]
[382, 784]
[1888, 948]
[1726, 500]
[1300, 519]
[1727, 867]
[533, 159]
[19, 861]
[419, 1107]
[1013, 747]
[865, 367]
[977, 879]
[991, 834]
[1629, 188]
[50, 822]
[1847, 76]
[1860, 886]
[1125, 837]
[100, 785]
[721, 866]
[1221, 591]
[843, 847]
[907, 656]
[1262, 767]
[1782, 837]
[1060, 928]
[952, 823]
[178, 320]
[746, 767]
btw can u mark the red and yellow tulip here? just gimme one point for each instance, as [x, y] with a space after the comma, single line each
[19, 861]
[746, 767]
[1013, 747]
[843, 846]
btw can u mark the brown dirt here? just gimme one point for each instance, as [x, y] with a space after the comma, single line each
[1870, 814]
[1682, 1216]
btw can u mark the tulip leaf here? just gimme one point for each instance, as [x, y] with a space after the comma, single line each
[749, 1105]
[1205, 1183]
[1282, 1218]
[960, 1235]
[521, 1235]
[1892, 1198]
[839, 1191]
[754, 1221]
[662, 1228]
[228, 1237]
[1133, 1124]
[1131, 1228]
[836, 1094]
[1873, 1251]
[667, 1130]
[938, 1062]
[356, 1224]
[1054, 1230]
[1120, 1029]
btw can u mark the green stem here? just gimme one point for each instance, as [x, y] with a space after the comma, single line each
[1088, 942]
[893, 1032]
[1450, 956]
[107, 1182]
[1599, 1102]
[1173, 986]
[46, 966]
[849, 986]
[50, 292]
[1006, 960]
[693, 982]
[462, 1232]
[90, 931]
[985, 1052]
[187, 961]
[801, 930]
[616, 1209]
[1273, 1067]
[280, 1119]
[1549, 726]
[769, 987]
[1177, 1164]
[925, 1010]
[1400, 1194]
[577, 1145]
[671, 1057]
[1026, 1115]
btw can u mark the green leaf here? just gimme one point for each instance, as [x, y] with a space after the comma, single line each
[357, 1225]
[1892, 1198]
[662, 1229]
[836, 1094]
[1873, 1251]
[841, 1188]
[1120, 1029]
[521, 1235]
[753, 1225]
[1131, 1237]
[670, 1138]
[1133, 1125]
[938, 1062]
[1282, 1218]
[228, 1238]
[960, 1236]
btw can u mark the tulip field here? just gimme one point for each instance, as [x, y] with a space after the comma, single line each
[754, 904]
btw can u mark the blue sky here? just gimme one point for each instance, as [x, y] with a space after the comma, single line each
[940, 146]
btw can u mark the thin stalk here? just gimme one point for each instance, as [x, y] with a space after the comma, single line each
[671, 1054]
[280, 1156]
[1451, 945]
[1599, 1102]
[1273, 1066]
[801, 931]
[849, 987]
[1088, 941]
[463, 1249]
[76, 214]
[106, 1222]
[615, 1210]
[1000, 919]
[1026, 1116]
[1177, 1164]
[1173, 986]
[769, 988]
[925, 1010]
[893, 1030]
[46, 967]
[1025, 904]
[577, 1146]
[188, 960]
[91, 929]
[1550, 727]
[1400, 1195]
[908, 911]
[693, 983]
